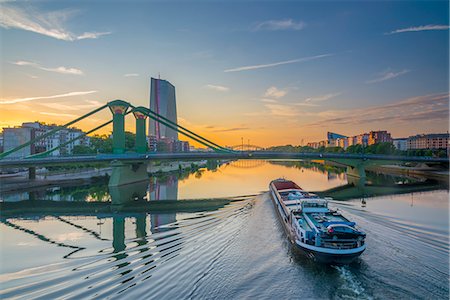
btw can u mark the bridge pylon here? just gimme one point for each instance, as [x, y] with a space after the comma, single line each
[119, 110]
[141, 118]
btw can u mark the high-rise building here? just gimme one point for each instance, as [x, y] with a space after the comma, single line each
[163, 102]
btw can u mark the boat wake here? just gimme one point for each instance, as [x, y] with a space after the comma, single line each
[167, 263]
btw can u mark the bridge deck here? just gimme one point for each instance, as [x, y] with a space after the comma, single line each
[134, 157]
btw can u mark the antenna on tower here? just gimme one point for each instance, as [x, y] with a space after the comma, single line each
[159, 75]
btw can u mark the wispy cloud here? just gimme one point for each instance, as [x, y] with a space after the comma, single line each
[420, 28]
[312, 101]
[49, 24]
[86, 104]
[18, 100]
[231, 129]
[274, 92]
[131, 75]
[422, 108]
[218, 88]
[387, 75]
[269, 100]
[282, 110]
[61, 70]
[321, 98]
[293, 61]
[57, 114]
[273, 25]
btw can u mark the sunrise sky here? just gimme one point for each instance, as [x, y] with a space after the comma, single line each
[272, 72]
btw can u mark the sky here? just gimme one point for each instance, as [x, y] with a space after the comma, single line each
[267, 72]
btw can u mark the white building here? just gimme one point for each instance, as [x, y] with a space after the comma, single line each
[400, 144]
[14, 137]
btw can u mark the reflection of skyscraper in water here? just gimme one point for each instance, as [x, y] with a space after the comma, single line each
[163, 189]
[163, 102]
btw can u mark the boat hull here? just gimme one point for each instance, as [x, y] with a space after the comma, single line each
[319, 254]
[331, 258]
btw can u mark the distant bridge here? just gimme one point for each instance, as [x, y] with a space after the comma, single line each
[246, 147]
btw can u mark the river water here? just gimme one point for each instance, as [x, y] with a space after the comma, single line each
[234, 250]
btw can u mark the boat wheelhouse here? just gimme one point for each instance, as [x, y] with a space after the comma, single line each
[323, 233]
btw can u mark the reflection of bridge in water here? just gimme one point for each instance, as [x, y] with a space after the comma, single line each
[247, 164]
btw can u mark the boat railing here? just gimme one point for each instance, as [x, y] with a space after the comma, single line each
[340, 244]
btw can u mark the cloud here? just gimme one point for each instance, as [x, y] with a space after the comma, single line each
[18, 100]
[422, 108]
[254, 67]
[387, 75]
[420, 28]
[49, 24]
[274, 25]
[218, 88]
[269, 100]
[321, 98]
[61, 70]
[58, 114]
[91, 35]
[131, 75]
[273, 92]
[282, 110]
[231, 129]
[71, 107]
[312, 101]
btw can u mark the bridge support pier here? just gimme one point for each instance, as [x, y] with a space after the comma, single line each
[357, 171]
[126, 173]
[129, 193]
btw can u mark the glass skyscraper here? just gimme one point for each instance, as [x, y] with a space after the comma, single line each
[163, 102]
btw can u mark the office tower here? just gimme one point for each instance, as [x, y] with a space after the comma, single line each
[163, 102]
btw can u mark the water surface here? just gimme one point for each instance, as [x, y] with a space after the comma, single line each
[234, 250]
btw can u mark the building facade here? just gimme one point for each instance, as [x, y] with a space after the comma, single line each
[16, 136]
[429, 141]
[380, 136]
[400, 144]
[334, 138]
[163, 102]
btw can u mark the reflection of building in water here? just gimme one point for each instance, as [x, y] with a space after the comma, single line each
[165, 188]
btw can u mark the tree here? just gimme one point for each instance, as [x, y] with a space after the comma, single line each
[130, 140]
[82, 149]
[101, 143]
[355, 149]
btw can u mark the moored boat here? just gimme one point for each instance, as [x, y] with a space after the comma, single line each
[323, 233]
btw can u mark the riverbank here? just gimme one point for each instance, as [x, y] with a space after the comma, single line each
[420, 171]
[66, 177]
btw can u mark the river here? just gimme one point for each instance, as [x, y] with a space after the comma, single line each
[233, 250]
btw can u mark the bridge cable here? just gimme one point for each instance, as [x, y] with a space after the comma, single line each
[68, 142]
[6, 153]
[158, 116]
[184, 133]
